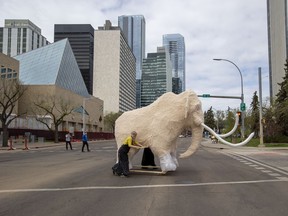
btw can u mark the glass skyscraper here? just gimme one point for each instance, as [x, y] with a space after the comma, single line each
[133, 28]
[176, 47]
[156, 77]
[81, 39]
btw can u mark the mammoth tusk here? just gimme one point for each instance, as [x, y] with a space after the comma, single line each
[224, 141]
[233, 129]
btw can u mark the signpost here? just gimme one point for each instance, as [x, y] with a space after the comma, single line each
[242, 107]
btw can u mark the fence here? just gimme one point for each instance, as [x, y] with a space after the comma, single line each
[49, 135]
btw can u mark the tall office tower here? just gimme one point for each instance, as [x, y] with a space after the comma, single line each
[176, 48]
[156, 76]
[81, 39]
[20, 36]
[277, 41]
[133, 28]
[114, 70]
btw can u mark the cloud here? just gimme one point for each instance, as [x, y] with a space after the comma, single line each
[234, 30]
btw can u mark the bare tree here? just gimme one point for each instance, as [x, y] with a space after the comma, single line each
[57, 108]
[11, 91]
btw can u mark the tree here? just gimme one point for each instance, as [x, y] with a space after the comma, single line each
[281, 103]
[254, 122]
[54, 107]
[11, 90]
[271, 128]
[110, 119]
[209, 118]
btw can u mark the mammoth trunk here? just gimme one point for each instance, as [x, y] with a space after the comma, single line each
[196, 139]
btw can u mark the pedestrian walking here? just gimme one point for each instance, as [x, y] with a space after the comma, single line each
[85, 142]
[68, 141]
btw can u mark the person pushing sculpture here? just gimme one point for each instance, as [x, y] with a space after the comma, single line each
[122, 167]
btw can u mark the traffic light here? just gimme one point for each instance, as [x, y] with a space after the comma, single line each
[240, 118]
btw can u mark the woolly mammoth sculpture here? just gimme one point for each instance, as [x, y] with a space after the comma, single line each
[159, 125]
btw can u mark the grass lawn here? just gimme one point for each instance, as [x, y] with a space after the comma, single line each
[255, 142]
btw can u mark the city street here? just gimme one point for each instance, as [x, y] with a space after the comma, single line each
[214, 181]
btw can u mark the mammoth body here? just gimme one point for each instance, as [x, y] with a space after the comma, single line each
[159, 125]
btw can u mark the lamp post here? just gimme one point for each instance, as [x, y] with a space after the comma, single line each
[83, 112]
[242, 106]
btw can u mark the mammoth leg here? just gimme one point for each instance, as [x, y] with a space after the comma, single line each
[167, 163]
[174, 155]
[148, 158]
[131, 155]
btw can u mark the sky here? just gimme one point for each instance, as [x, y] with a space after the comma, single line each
[235, 30]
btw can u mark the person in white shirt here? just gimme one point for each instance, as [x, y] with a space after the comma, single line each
[68, 140]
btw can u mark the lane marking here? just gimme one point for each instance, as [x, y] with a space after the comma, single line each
[143, 186]
[256, 162]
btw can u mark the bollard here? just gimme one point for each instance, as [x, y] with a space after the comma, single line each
[26, 144]
[11, 144]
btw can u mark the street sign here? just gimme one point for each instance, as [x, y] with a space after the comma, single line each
[242, 106]
[205, 95]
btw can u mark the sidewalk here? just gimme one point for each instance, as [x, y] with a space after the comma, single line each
[35, 145]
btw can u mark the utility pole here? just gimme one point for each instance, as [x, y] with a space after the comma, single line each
[260, 109]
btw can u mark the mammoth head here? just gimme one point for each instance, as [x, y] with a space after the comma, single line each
[193, 108]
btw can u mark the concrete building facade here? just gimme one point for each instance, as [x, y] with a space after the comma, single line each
[19, 36]
[277, 41]
[114, 70]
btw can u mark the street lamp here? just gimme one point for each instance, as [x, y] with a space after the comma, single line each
[242, 106]
[83, 112]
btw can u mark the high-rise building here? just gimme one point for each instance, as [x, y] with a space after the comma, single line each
[81, 39]
[20, 36]
[277, 41]
[176, 47]
[133, 28]
[114, 70]
[156, 76]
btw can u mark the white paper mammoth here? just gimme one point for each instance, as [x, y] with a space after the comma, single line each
[159, 125]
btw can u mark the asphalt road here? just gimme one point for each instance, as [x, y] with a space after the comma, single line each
[53, 181]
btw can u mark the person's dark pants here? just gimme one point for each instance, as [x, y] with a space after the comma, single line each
[68, 143]
[85, 143]
[148, 158]
[123, 167]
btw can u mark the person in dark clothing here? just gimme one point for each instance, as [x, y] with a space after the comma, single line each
[85, 142]
[122, 167]
[148, 159]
